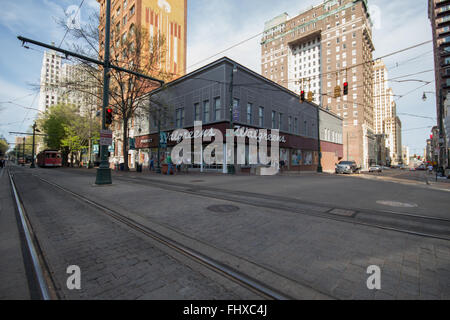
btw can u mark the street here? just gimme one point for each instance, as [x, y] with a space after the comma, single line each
[306, 236]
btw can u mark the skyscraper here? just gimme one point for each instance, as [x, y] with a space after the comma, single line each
[166, 17]
[385, 113]
[319, 49]
[56, 80]
[50, 78]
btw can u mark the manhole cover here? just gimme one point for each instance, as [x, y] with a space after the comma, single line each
[223, 208]
[342, 212]
[397, 204]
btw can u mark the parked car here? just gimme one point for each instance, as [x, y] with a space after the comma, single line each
[347, 167]
[375, 169]
[422, 167]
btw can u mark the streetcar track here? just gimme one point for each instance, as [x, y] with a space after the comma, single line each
[325, 211]
[230, 273]
[45, 282]
[388, 220]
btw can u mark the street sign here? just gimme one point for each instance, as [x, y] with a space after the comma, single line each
[105, 137]
[163, 139]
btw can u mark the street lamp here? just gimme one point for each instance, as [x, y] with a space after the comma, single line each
[442, 155]
[235, 69]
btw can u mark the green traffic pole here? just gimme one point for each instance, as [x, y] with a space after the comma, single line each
[104, 172]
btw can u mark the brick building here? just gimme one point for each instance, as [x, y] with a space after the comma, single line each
[167, 17]
[319, 49]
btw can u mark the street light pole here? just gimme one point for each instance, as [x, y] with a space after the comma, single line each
[104, 172]
[231, 169]
[319, 166]
[32, 147]
[23, 152]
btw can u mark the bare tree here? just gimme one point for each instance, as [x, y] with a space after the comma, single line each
[133, 49]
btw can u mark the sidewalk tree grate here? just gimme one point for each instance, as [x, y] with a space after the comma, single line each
[223, 208]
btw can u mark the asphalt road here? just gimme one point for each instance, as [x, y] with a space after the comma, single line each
[309, 251]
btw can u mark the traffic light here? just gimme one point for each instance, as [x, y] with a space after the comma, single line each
[302, 96]
[345, 88]
[108, 116]
[310, 96]
[337, 91]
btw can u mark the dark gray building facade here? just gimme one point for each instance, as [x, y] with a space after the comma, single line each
[207, 95]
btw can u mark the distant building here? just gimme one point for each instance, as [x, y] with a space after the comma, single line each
[405, 155]
[55, 87]
[385, 111]
[439, 15]
[382, 154]
[166, 17]
[319, 49]
[398, 141]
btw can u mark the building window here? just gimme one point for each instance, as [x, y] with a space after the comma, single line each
[280, 117]
[205, 111]
[197, 112]
[249, 113]
[273, 120]
[217, 108]
[180, 118]
[236, 109]
[261, 117]
[290, 124]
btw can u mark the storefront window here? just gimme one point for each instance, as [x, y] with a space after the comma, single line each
[296, 158]
[307, 158]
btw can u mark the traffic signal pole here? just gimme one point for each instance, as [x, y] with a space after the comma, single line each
[32, 147]
[104, 172]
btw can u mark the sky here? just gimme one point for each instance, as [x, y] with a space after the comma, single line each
[214, 26]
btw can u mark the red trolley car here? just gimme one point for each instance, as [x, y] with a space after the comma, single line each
[49, 158]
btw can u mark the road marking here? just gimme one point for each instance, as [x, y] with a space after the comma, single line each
[397, 204]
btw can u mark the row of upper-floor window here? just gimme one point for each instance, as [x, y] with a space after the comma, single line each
[253, 116]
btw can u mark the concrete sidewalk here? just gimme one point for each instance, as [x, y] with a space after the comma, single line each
[13, 276]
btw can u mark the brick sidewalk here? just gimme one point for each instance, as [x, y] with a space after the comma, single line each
[13, 276]
[115, 262]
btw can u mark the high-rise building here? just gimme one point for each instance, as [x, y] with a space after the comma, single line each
[398, 140]
[439, 15]
[405, 155]
[50, 79]
[165, 17]
[321, 48]
[65, 83]
[385, 111]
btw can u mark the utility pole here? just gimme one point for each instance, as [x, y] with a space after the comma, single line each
[23, 152]
[231, 169]
[32, 147]
[103, 172]
[158, 168]
[319, 165]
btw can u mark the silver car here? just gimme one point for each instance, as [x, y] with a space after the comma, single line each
[347, 167]
[375, 169]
